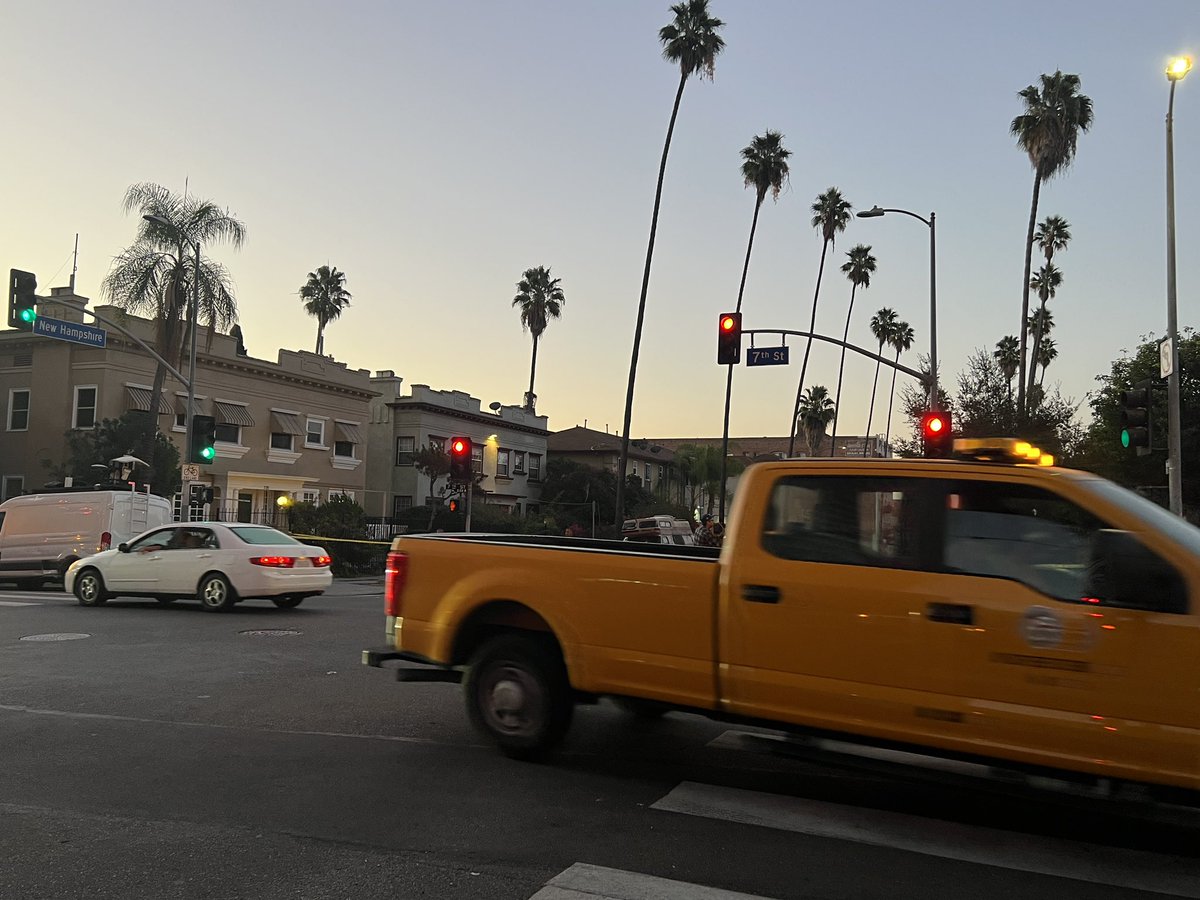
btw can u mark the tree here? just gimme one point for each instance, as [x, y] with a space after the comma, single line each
[883, 325]
[701, 467]
[831, 215]
[155, 274]
[858, 268]
[434, 464]
[90, 449]
[1048, 132]
[1007, 358]
[1047, 353]
[816, 412]
[765, 168]
[540, 299]
[690, 41]
[1046, 281]
[325, 296]
[902, 341]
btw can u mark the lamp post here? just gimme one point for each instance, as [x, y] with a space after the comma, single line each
[931, 222]
[192, 316]
[1176, 71]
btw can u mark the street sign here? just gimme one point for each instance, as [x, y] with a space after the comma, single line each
[75, 332]
[1164, 358]
[190, 472]
[767, 356]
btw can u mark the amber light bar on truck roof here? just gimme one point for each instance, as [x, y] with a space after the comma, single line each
[1011, 450]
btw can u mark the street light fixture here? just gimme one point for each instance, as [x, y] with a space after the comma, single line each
[192, 316]
[1176, 70]
[875, 212]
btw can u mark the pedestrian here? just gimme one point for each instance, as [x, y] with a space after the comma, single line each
[707, 534]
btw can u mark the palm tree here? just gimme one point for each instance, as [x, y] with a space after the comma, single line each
[1046, 281]
[1048, 132]
[1053, 235]
[765, 168]
[816, 412]
[858, 268]
[1047, 353]
[902, 341]
[325, 296]
[691, 42]
[1007, 357]
[831, 214]
[155, 274]
[540, 299]
[883, 323]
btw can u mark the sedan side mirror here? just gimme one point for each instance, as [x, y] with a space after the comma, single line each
[123, 548]
[1125, 572]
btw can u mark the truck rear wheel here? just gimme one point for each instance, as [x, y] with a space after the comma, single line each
[517, 693]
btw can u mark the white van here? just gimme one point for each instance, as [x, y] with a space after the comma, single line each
[658, 530]
[42, 534]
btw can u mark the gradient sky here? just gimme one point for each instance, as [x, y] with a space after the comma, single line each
[433, 151]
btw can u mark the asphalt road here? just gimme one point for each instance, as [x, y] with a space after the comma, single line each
[170, 753]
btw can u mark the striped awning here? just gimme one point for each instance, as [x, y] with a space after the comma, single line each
[233, 413]
[285, 423]
[347, 432]
[181, 405]
[139, 399]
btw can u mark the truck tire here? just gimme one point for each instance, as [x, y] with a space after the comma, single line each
[518, 694]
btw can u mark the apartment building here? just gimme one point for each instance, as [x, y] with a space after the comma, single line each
[294, 427]
[508, 442]
[648, 461]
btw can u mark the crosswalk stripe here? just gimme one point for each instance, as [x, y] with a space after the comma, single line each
[1158, 873]
[17, 603]
[583, 881]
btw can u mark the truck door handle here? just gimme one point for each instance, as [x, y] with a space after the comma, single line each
[760, 593]
[954, 613]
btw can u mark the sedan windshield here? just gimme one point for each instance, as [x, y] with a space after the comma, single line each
[259, 534]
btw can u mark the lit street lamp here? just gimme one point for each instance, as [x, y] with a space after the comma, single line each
[192, 315]
[875, 212]
[1176, 71]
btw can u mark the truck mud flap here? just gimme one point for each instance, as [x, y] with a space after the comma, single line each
[429, 671]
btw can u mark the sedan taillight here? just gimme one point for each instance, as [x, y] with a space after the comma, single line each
[322, 560]
[274, 562]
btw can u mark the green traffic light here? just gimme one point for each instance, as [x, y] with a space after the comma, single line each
[1125, 438]
[28, 315]
[208, 452]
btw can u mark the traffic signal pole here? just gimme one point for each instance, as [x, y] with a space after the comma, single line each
[1174, 425]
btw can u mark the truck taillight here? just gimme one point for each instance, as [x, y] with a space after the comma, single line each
[106, 540]
[395, 573]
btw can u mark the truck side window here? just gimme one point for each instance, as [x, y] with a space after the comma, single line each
[844, 521]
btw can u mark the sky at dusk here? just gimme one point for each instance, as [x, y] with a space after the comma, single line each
[434, 151]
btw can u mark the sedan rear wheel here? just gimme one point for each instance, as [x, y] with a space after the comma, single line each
[289, 601]
[215, 593]
[89, 588]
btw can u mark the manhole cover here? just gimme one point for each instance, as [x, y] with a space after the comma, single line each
[270, 632]
[61, 636]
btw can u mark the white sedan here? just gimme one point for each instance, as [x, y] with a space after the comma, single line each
[218, 563]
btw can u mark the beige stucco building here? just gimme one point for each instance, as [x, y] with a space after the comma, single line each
[294, 427]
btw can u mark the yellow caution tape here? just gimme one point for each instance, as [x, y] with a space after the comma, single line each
[317, 537]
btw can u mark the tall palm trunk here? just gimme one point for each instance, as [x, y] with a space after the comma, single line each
[637, 331]
[1037, 339]
[874, 388]
[807, 349]
[1037, 188]
[729, 376]
[320, 335]
[532, 370]
[887, 437]
[837, 398]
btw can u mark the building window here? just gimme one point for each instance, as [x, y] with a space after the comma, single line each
[406, 448]
[399, 505]
[310, 496]
[438, 444]
[344, 449]
[476, 458]
[518, 462]
[662, 472]
[18, 409]
[314, 434]
[340, 492]
[535, 467]
[14, 486]
[228, 433]
[85, 407]
[502, 463]
[281, 441]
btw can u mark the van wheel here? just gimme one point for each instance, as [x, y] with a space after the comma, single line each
[89, 588]
[215, 593]
[289, 601]
[518, 694]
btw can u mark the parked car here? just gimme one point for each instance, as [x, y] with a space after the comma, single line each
[658, 530]
[42, 534]
[219, 564]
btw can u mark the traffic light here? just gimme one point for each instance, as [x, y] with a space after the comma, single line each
[729, 339]
[22, 301]
[204, 439]
[1136, 425]
[936, 434]
[460, 460]
[199, 494]
[452, 505]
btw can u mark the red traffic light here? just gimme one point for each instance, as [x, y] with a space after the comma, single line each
[729, 339]
[934, 424]
[453, 504]
[936, 433]
[727, 323]
[458, 446]
[460, 460]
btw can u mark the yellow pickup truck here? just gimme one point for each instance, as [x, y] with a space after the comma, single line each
[990, 606]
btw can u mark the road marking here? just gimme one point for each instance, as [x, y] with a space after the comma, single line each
[1157, 873]
[17, 603]
[587, 882]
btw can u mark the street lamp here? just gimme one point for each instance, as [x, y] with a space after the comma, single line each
[875, 212]
[192, 315]
[1176, 70]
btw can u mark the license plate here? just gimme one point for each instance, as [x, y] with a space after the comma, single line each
[302, 562]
